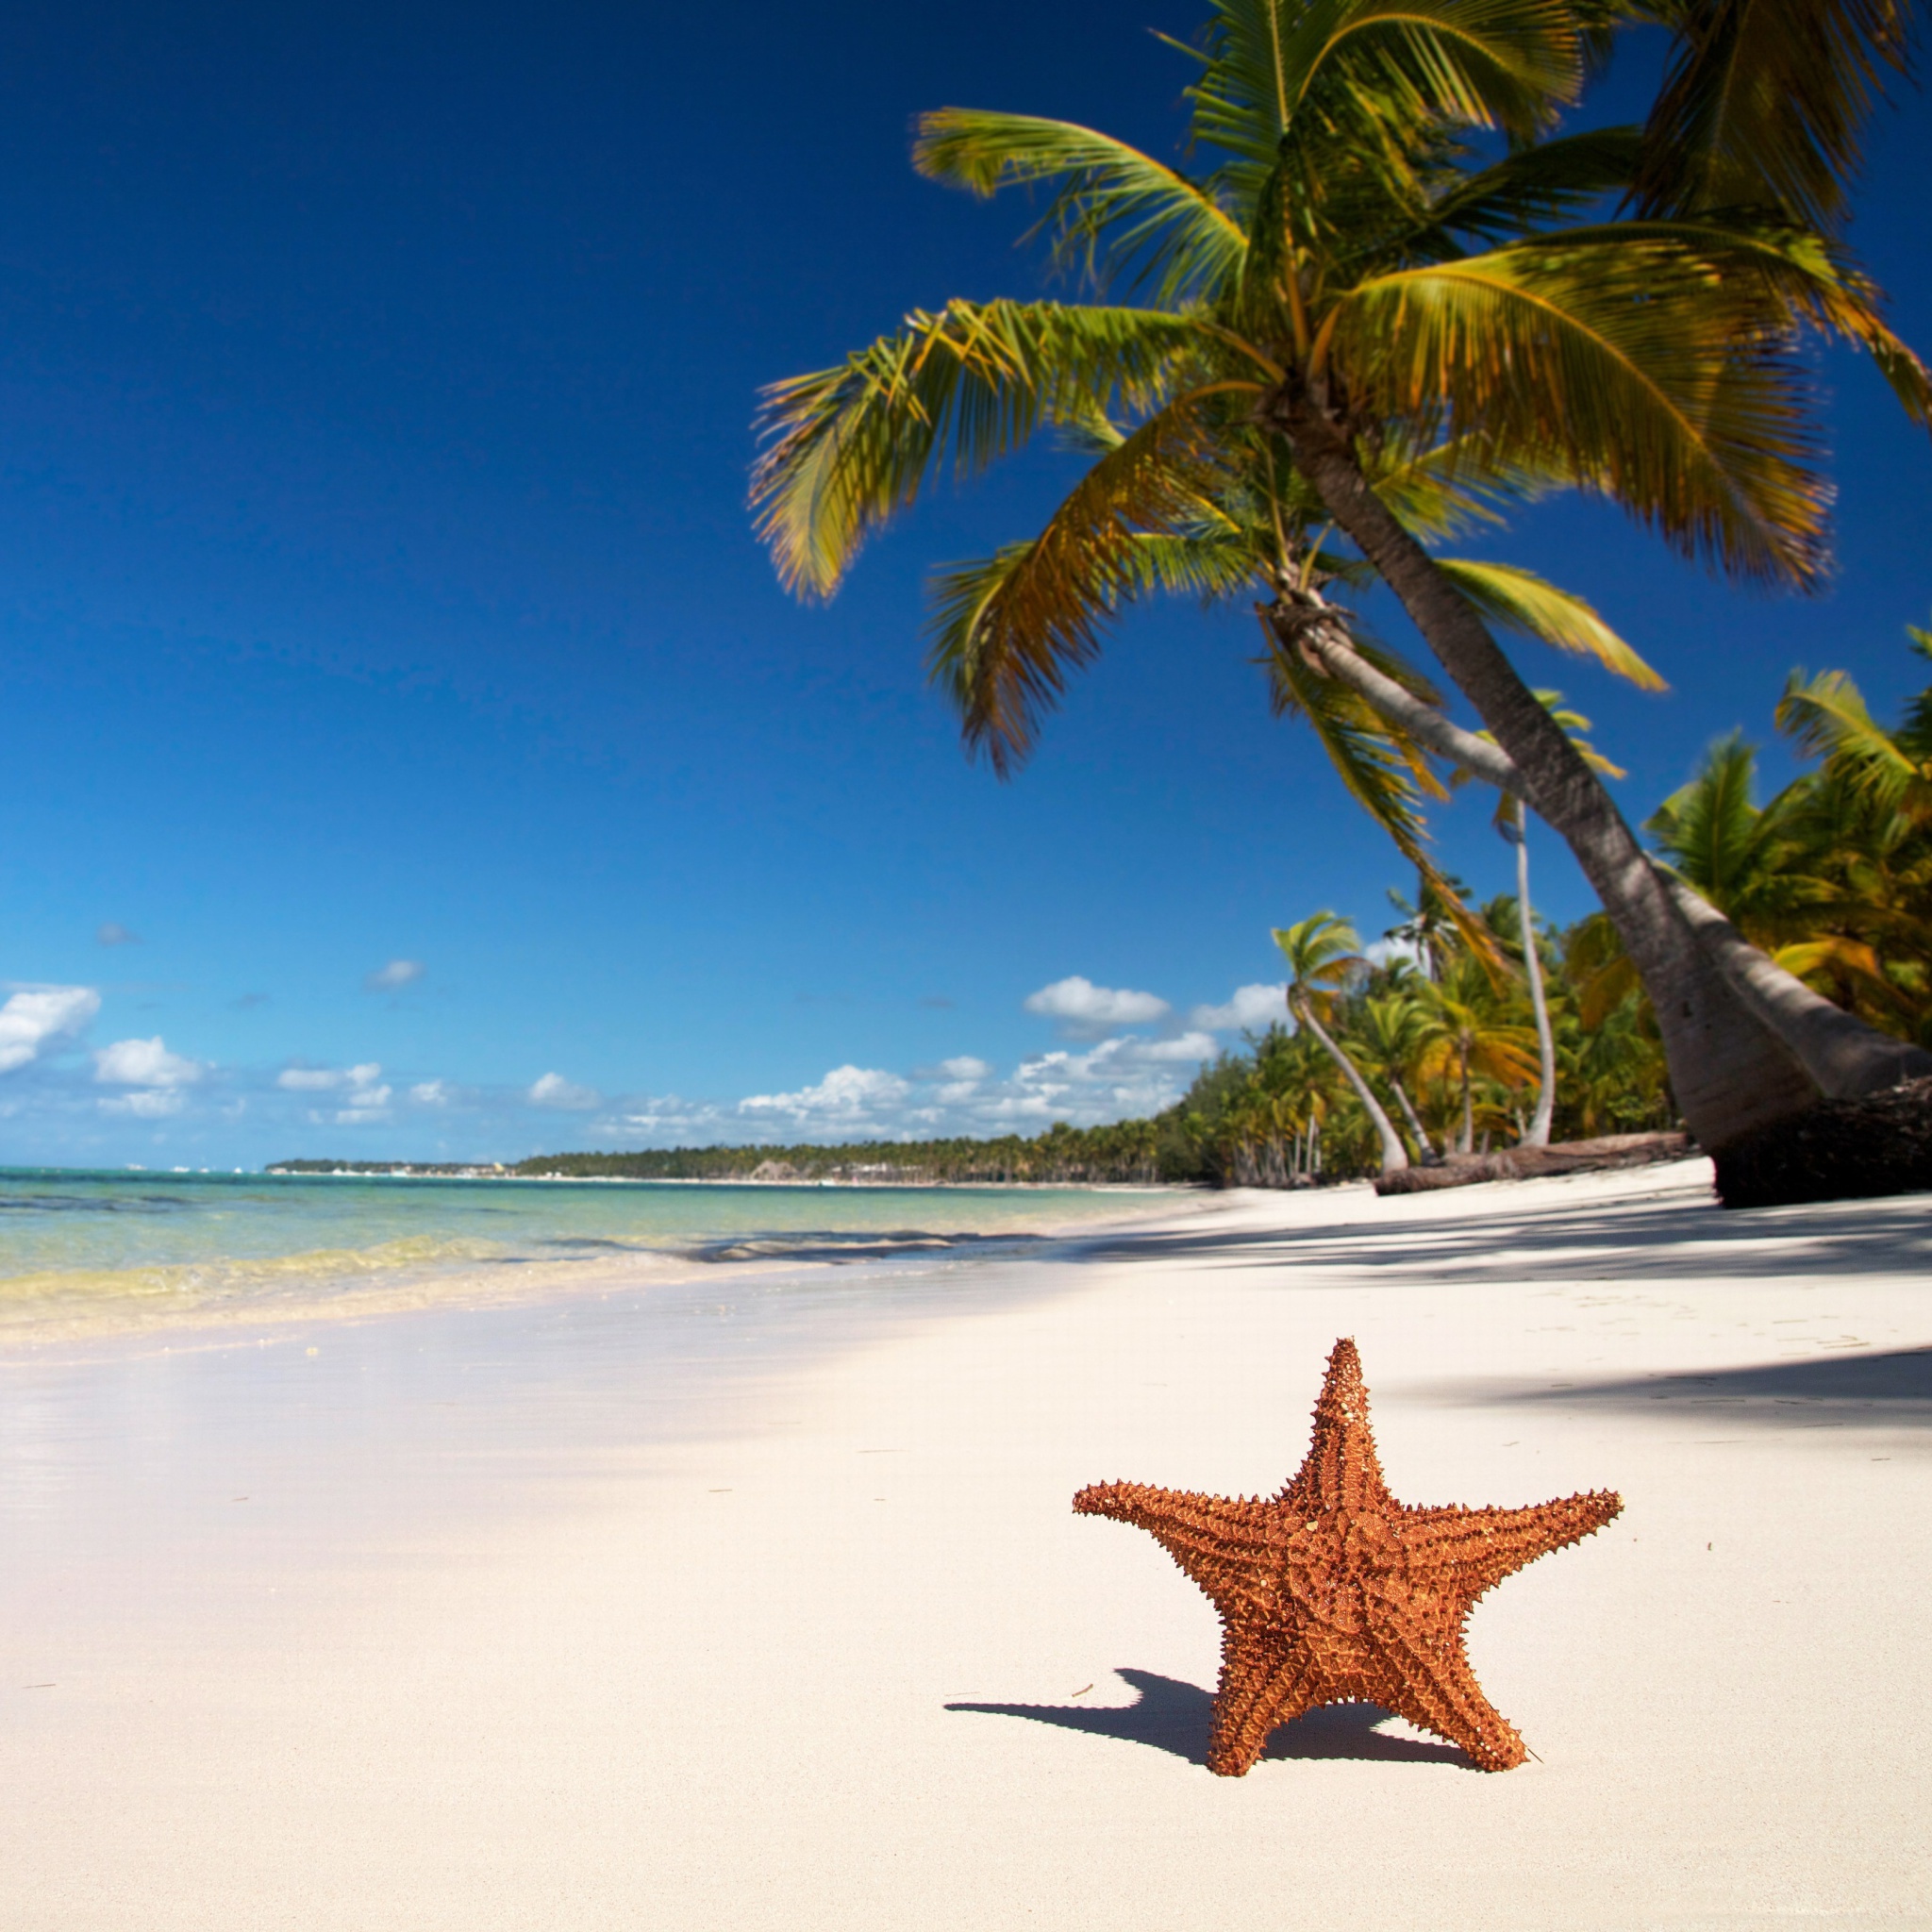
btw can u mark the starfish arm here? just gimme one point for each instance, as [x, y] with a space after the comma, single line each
[1472, 1550]
[1436, 1690]
[1265, 1681]
[1228, 1546]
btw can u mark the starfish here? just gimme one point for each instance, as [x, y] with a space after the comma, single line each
[1334, 1592]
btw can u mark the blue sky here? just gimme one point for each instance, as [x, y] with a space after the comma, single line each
[387, 653]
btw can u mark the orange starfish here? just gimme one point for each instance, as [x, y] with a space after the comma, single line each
[1334, 1592]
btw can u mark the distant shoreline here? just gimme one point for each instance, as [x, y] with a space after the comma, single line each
[405, 1171]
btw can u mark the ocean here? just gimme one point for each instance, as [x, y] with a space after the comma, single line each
[96, 1252]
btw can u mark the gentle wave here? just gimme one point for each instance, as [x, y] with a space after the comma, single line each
[188, 1285]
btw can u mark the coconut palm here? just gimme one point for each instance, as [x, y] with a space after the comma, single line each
[1828, 717]
[1389, 1037]
[1471, 1035]
[1322, 954]
[1426, 927]
[1349, 313]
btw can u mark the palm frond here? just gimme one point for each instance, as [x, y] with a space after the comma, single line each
[1807, 279]
[1765, 101]
[1116, 214]
[1553, 180]
[1827, 717]
[1710, 828]
[1385, 771]
[846, 448]
[1448, 487]
[1521, 601]
[1212, 563]
[1637, 365]
[1489, 63]
[1006, 632]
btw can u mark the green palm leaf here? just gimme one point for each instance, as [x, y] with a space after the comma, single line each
[1006, 632]
[848, 447]
[1115, 208]
[1491, 63]
[1828, 718]
[1521, 601]
[1765, 101]
[1638, 365]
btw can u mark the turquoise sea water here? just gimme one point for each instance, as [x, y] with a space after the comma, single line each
[83, 1247]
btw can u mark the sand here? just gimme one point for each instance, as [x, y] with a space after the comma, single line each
[771, 1611]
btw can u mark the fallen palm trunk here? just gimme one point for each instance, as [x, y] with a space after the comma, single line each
[1530, 1163]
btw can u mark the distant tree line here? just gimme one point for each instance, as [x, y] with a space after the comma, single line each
[1124, 1152]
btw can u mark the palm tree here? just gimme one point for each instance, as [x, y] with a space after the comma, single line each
[1426, 925]
[1834, 873]
[1513, 821]
[1389, 1037]
[1348, 321]
[1322, 953]
[1469, 1034]
[1828, 717]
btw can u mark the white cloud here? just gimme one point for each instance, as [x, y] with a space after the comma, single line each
[670, 1119]
[148, 1104]
[1188, 1046]
[1381, 952]
[431, 1094]
[144, 1063]
[38, 1014]
[848, 1096]
[1084, 1009]
[114, 934]
[1249, 1006]
[327, 1079]
[394, 976]
[365, 1104]
[1119, 1078]
[553, 1090]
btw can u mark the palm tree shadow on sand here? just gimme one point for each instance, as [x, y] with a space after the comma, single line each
[1172, 1716]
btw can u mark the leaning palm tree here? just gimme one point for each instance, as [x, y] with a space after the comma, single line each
[1348, 325]
[1322, 953]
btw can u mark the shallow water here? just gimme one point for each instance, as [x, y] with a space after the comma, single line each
[84, 1249]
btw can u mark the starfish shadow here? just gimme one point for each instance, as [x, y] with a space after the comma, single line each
[1172, 1716]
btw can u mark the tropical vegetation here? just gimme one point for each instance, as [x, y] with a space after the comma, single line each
[1832, 876]
[1124, 1152]
[1395, 294]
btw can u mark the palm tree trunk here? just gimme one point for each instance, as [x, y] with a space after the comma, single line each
[1414, 1120]
[1843, 1055]
[1466, 1140]
[1537, 1133]
[1394, 1156]
[1730, 1074]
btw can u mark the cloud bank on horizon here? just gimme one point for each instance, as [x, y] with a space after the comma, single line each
[1124, 1053]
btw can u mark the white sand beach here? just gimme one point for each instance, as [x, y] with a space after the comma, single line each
[770, 1610]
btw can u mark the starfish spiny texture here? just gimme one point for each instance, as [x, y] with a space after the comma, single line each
[1334, 1592]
